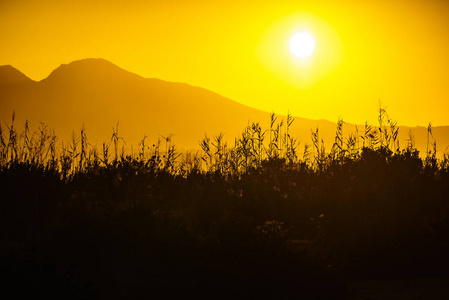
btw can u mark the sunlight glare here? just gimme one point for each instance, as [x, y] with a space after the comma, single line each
[281, 49]
[302, 44]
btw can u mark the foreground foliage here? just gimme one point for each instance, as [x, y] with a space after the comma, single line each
[249, 220]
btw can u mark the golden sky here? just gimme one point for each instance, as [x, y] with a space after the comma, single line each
[396, 52]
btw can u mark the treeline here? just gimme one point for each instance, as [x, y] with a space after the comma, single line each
[255, 218]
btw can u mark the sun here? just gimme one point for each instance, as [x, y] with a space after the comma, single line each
[300, 49]
[302, 44]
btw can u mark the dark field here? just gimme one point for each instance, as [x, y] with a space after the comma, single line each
[249, 221]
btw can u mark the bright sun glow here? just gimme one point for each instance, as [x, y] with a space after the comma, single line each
[302, 44]
[316, 50]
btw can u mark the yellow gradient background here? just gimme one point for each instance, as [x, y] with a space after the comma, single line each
[395, 52]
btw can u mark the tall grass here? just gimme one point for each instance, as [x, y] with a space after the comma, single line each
[250, 149]
[251, 210]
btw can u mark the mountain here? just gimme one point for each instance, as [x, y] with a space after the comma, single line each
[11, 76]
[98, 94]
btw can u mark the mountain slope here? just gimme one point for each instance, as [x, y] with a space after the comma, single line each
[98, 94]
[11, 76]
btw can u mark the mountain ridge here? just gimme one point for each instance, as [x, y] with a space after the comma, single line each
[11, 75]
[88, 66]
[90, 90]
[98, 94]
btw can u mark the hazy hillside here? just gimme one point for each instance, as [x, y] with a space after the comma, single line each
[10, 75]
[97, 93]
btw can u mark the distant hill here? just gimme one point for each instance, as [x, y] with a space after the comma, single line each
[10, 76]
[98, 94]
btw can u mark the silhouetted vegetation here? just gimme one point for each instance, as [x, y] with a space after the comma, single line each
[252, 219]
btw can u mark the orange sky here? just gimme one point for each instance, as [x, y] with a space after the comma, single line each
[366, 51]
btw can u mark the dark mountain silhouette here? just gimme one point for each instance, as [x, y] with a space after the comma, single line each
[10, 76]
[98, 94]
